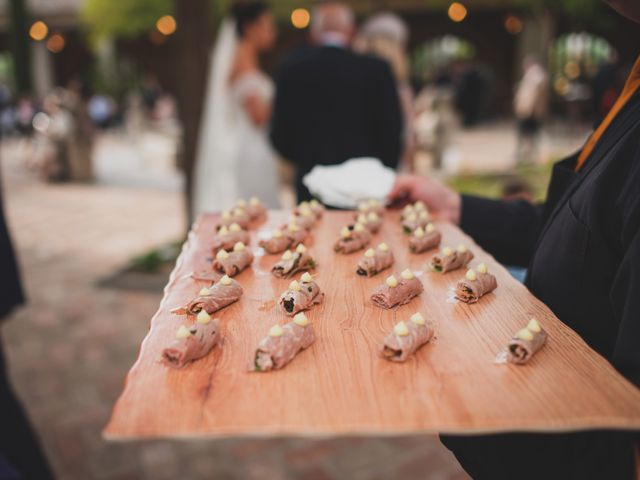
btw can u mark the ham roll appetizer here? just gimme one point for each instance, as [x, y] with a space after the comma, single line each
[475, 284]
[295, 233]
[369, 206]
[237, 215]
[526, 342]
[304, 217]
[406, 338]
[223, 293]
[232, 263]
[314, 205]
[393, 293]
[301, 295]
[424, 239]
[194, 342]
[375, 261]
[227, 237]
[415, 220]
[283, 343]
[449, 259]
[277, 243]
[293, 262]
[371, 221]
[352, 238]
[254, 208]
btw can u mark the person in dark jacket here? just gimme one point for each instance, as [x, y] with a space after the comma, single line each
[333, 104]
[21, 456]
[582, 248]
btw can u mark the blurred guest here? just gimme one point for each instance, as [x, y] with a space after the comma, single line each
[234, 156]
[21, 456]
[25, 112]
[530, 105]
[80, 138]
[385, 35]
[333, 104]
[100, 109]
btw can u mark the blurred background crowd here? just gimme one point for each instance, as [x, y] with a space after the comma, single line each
[100, 110]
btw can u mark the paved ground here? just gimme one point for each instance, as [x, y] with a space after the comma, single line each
[71, 347]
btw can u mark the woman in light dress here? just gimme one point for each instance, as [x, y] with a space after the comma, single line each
[234, 158]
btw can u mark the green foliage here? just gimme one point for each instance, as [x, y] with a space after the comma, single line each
[486, 185]
[122, 18]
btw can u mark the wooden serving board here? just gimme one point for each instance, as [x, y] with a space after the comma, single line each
[341, 385]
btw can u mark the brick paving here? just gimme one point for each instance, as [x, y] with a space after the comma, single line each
[71, 346]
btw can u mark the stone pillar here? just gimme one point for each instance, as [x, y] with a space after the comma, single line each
[41, 69]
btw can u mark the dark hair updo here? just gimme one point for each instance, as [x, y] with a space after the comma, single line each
[247, 12]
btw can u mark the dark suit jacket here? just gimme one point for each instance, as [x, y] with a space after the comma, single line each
[583, 252]
[331, 105]
[12, 294]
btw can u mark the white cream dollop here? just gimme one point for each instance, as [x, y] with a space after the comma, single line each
[301, 319]
[417, 318]
[391, 281]
[401, 329]
[276, 331]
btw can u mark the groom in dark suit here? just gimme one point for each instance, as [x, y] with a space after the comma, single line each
[333, 104]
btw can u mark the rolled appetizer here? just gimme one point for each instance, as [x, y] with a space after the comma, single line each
[301, 295]
[371, 221]
[393, 293]
[237, 215]
[423, 239]
[526, 342]
[293, 262]
[227, 237]
[295, 233]
[283, 343]
[304, 217]
[352, 238]
[277, 243]
[375, 261]
[449, 259]
[223, 293]
[372, 205]
[406, 338]
[415, 220]
[255, 209]
[193, 342]
[233, 262]
[475, 284]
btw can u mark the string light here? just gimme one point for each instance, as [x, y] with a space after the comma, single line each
[38, 31]
[300, 18]
[457, 12]
[513, 24]
[56, 43]
[166, 25]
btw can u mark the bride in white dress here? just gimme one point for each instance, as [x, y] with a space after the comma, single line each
[234, 158]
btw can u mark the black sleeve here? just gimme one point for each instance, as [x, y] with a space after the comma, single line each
[281, 124]
[624, 293]
[508, 230]
[387, 116]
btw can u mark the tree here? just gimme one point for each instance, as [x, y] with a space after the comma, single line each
[20, 46]
[128, 18]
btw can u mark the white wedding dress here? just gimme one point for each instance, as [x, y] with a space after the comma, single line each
[234, 158]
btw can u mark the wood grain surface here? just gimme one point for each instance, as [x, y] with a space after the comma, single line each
[341, 385]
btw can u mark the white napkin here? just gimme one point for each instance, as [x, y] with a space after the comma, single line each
[351, 182]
